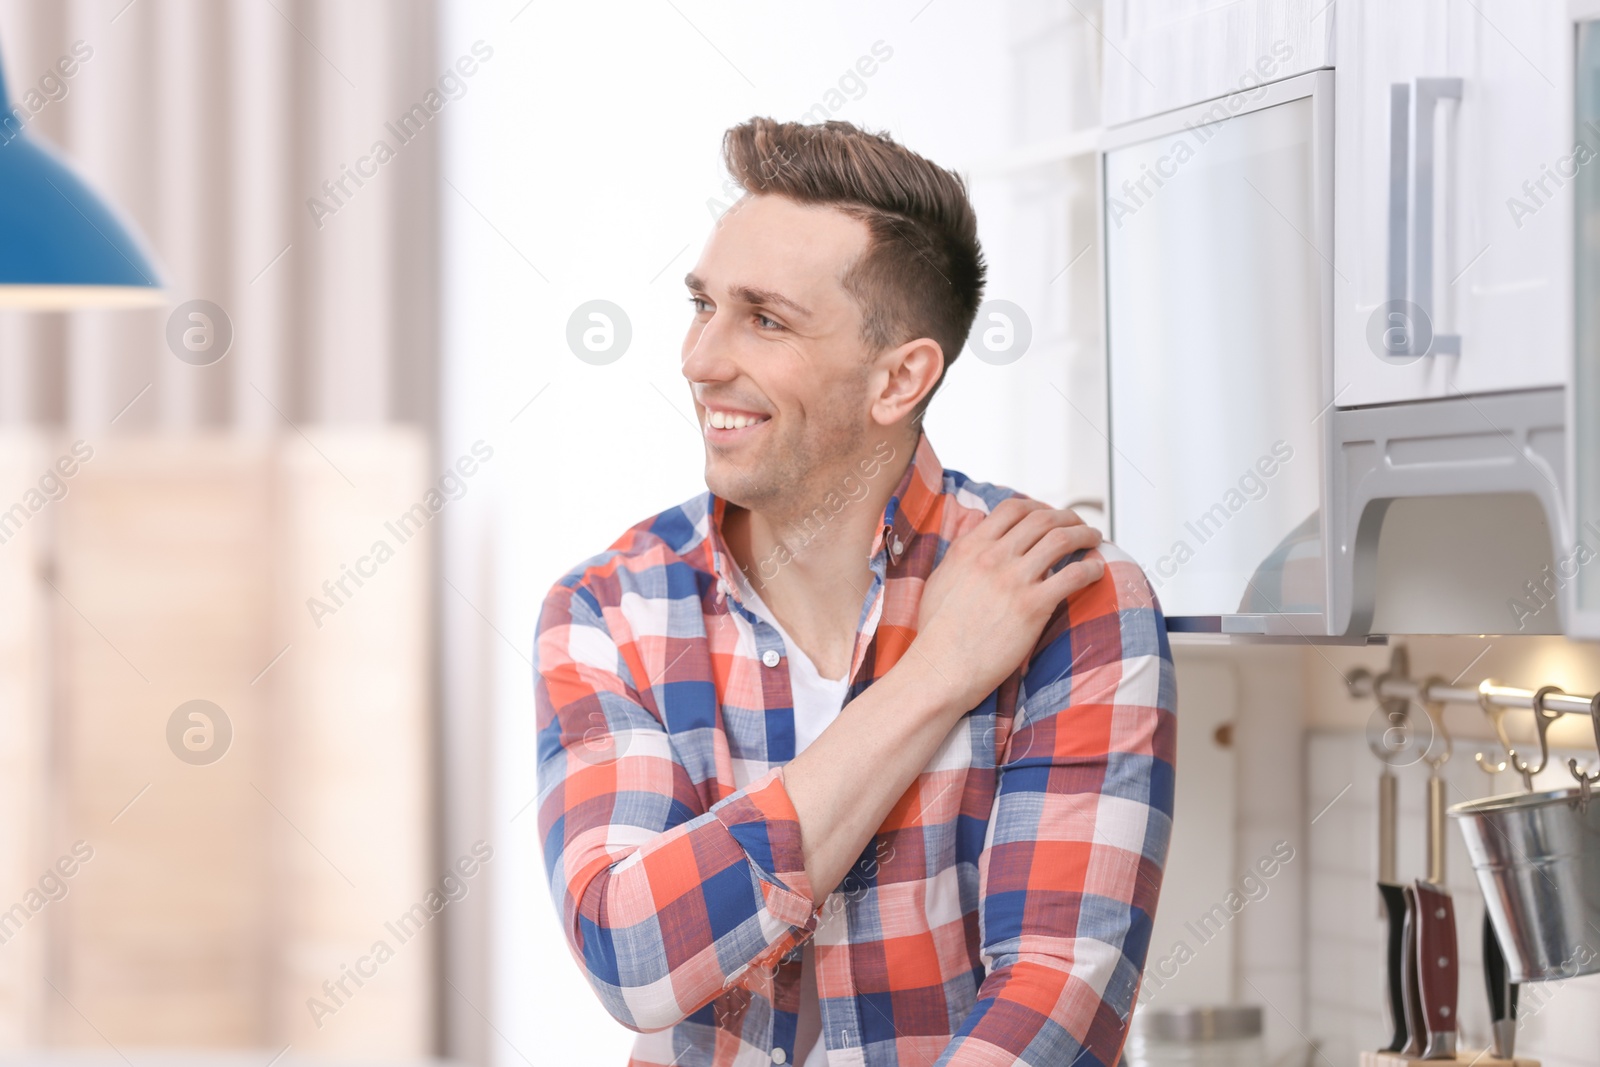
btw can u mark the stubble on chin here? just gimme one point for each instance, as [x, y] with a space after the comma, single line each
[749, 489]
[789, 478]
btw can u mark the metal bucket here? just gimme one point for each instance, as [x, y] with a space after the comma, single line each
[1537, 857]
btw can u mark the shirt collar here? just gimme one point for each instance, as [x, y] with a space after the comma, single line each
[913, 508]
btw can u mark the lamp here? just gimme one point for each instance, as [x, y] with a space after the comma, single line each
[61, 245]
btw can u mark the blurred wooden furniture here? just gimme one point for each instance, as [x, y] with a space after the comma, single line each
[23, 735]
[221, 895]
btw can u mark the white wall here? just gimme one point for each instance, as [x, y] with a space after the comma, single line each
[1264, 941]
[579, 166]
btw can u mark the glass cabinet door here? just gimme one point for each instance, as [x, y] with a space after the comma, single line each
[1216, 346]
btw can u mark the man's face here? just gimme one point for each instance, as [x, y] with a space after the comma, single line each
[776, 339]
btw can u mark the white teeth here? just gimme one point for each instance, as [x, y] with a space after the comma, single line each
[724, 420]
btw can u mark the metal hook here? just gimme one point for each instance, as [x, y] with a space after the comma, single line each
[1390, 741]
[1586, 781]
[1496, 715]
[1542, 718]
[1394, 738]
[1381, 738]
[1435, 710]
[1436, 786]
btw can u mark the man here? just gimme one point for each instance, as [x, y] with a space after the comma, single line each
[852, 759]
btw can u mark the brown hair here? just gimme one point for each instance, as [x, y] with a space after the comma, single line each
[922, 273]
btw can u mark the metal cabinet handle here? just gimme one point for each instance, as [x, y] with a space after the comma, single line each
[1411, 135]
[1428, 94]
[1399, 171]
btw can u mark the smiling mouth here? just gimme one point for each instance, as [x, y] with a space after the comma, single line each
[720, 425]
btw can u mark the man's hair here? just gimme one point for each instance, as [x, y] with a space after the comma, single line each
[922, 273]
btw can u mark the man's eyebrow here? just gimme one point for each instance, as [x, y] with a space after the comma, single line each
[750, 294]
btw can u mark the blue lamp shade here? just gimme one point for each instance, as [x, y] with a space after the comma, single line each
[61, 246]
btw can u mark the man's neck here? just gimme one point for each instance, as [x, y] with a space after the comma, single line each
[810, 565]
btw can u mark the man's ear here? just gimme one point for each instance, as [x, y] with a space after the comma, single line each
[902, 377]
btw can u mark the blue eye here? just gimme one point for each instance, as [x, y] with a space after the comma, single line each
[774, 322]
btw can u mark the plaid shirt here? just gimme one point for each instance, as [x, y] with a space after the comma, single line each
[1002, 912]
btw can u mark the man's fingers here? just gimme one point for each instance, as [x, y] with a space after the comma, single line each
[1032, 529]
[1073, 577]
[1057, 542]
[1004, 517]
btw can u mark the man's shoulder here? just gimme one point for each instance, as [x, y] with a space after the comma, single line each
[660, 557]
[973, 500]
[1125, 585]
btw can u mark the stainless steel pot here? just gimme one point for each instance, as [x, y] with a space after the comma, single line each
[1196, 1036]
[1537, 857]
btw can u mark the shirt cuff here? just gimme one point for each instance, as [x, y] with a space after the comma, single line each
[762, 819]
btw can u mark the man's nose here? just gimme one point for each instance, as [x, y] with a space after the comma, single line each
[706, 357]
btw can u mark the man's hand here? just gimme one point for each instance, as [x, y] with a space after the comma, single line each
[987, 602]
[983, 609]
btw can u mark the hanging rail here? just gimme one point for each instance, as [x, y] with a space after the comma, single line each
[1361, 685]
[1395, 688]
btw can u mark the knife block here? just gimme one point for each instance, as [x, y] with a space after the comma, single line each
[1464, 1056]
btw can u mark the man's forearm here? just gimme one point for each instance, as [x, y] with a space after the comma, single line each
[846, 781]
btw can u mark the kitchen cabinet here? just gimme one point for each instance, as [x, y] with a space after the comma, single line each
[1416, 320]
[1161, 57]
[1580, 565]
[166, 569]
[1218, 283]
[1458, 284]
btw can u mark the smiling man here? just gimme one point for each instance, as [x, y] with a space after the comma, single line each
[852, 759]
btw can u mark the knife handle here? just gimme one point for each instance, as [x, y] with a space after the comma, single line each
[1394, 908]
[1438, 968]
[1502, 993]
[1416, 1028]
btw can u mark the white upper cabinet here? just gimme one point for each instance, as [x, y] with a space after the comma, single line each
[1169, 54]
[1370, 269]
[1454, 161]
[1579, 565]
[1218, 337]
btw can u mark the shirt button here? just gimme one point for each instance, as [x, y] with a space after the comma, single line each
[770, 657]
[897, 546]
[779, 1056]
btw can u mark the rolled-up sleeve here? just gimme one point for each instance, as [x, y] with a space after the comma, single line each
[665, 900]
[1077, 840]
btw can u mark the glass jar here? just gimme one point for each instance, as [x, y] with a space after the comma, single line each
[1223, 1035]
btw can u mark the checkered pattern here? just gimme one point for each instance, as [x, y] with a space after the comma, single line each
[1001, 914]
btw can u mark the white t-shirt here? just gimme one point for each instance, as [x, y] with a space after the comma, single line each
[817, 701]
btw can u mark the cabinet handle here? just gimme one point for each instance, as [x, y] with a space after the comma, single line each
[1399, 171]
[1429, 92]
[1411, 135]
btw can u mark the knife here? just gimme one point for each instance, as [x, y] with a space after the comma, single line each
[1502, 993]
[1438, 969]
[1394, 907]
[1416, 1028]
